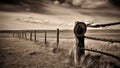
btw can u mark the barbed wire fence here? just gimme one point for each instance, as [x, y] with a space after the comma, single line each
[80, 30]
[103, 39]
[103, 25]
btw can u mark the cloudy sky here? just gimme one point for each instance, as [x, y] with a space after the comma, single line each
[41, 14]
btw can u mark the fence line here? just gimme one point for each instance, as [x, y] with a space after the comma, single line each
[108, 54]
[79, 31]
[33, 34]
[103, 25]
[101, 39]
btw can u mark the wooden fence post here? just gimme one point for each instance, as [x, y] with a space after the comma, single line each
[19, 34]
[16, 35]
[25, 35]
[79, 31]
[30, 35]
[55, 50]
[13, 34]
[57, 37]
[22, 35]
[45, 37]
[35, 35]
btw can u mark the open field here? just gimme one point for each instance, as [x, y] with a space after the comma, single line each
[21, 53]
[45, 15]
[26, 54]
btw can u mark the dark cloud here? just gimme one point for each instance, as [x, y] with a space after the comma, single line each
[115, 2]
[24, 5]
[11, 1]
[38, 6]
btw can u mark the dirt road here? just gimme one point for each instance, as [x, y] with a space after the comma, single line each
[19, 53]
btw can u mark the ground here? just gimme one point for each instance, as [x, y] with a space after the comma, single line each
[26, 54]
[21, 53]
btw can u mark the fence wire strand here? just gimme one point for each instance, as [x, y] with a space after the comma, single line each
[104, 53]
[101, 39]
[103, 25]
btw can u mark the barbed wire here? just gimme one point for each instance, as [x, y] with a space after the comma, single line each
[101, 52]
[101, 39]
[103, 25]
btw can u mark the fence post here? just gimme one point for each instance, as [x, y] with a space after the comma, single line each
[25, 35]
[19, 34]
[30, 35]
[45, 37]
[55, 50]
[13, 34]
[35, 35]
[57, 37]
[16, 35]
[79, 31]
[22, 35]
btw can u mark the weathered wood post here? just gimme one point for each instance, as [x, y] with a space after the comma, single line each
[18, 34]
[55, 50]
[13, 34]
[35, 35]
[45, 37]
[79, 31]
[22, 35]
[25, 35]
[30, 35]
[57, 37]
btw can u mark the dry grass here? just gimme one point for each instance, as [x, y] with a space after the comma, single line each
[29, 54]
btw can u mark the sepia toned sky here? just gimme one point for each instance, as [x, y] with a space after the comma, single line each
[48, 14]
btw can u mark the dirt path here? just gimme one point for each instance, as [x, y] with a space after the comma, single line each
[17, 53]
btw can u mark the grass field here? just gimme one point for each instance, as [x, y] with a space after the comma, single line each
[42, 15]
[21, 53]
